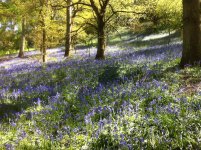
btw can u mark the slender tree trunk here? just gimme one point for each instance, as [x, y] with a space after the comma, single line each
[101, 40]
[23, 40]
[44, 45]
[191, 33]
[44, 39]
[68, 45]
[43, 15]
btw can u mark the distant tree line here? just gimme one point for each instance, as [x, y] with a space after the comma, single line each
[49, 23]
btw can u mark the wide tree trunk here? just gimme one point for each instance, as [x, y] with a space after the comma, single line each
[191, 33]
[68, 43]
[101, 40]
[23, 40]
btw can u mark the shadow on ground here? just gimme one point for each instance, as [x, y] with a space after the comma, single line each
[8, 111]
[136, 40]
[110, 74]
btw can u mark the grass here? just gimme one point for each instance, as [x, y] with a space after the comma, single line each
[11, 52]
[138, 40]
[132, 100]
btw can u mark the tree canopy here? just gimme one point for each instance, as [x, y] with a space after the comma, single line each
[89, 19]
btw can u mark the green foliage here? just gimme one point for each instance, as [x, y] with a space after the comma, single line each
[176, 125]
[114, 104]
[148, 15]
[158, 15]
[110, 74]
[105, 141]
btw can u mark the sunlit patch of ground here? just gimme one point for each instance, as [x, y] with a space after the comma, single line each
[158, 36]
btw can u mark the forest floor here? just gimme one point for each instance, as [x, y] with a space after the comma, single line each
[119, 42]
[138, 98]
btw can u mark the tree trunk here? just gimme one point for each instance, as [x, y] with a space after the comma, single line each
[68, 45]
[191, 54]
[44, 45]
[101, 40]
[23, 40]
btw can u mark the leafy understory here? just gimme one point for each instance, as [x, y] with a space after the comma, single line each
[135, 99]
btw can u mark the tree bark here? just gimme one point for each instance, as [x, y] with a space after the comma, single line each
[68, 45]
[101, 39]
[23, 40]
[191, 54]
[44, 45]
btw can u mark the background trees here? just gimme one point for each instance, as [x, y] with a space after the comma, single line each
[103, 12]
[8, 24]
[136, 99]
[66, 22]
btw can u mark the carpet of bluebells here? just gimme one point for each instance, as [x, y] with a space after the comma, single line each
[138, 98]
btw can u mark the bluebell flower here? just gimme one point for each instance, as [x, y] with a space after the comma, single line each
[38, 102]
[9, 147]
[13, 124]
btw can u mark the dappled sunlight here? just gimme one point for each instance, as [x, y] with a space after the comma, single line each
[100, 75]
[157, 36]
[67, 96]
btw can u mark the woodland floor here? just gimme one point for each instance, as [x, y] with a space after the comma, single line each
[138, 98]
